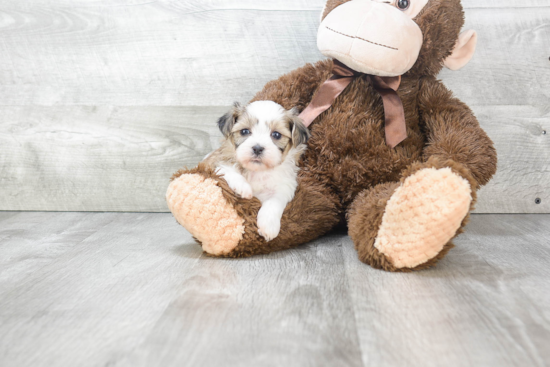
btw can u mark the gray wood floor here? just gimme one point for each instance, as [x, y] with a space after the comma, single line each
[105, 289]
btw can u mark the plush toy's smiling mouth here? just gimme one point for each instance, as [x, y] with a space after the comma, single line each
[362, 39]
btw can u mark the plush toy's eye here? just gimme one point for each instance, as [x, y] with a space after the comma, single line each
[245, 132]
[403, 4]
[276, 135]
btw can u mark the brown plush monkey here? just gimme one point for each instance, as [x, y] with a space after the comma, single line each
[403, 205]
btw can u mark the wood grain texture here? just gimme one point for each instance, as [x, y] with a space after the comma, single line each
[114, 159]
[154, 53]
[485, 304]
[119, 289]
[69, 283]
[523, 174]
[212, 53]
[98, 158]
[100, 101]
[262, 312]
[482, 4]
[134, 289]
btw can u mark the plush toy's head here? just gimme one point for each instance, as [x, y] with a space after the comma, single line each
[393, 37]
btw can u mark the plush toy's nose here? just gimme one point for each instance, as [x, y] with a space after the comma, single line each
[371, 36]
[257, 149]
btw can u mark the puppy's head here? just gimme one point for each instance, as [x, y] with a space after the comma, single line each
[263, 133]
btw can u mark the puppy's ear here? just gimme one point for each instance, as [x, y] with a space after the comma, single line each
[294, 111]
[227, 121]
[300, 133]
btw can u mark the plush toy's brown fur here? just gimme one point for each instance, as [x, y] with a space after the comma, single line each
[348, 171]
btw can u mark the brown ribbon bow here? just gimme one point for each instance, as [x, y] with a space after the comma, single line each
[396, 129]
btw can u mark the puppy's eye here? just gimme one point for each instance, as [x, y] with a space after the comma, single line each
[403, 4]
[276, 135]
[245, 132]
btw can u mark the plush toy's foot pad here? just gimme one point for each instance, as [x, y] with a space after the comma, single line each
[198, 204]
[423, 215]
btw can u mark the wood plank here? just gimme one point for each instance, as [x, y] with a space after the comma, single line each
[98, 158]
[486, 304]
[481, 4]
[511, 65]
[98, 297]
[7, 215]
[31, 241]
[211, 53]
[138, 291]
[115, 159]
[277, 310]
[155, 53]
[523, 174]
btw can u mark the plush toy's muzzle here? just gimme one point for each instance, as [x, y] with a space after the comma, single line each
[371, 37]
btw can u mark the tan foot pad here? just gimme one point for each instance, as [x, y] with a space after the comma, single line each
[422, 216]
[198, 204]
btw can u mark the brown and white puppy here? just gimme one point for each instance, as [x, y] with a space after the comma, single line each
[259, 156]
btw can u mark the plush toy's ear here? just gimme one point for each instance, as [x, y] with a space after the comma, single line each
[323, 13]
[463, 51]
[227, 121]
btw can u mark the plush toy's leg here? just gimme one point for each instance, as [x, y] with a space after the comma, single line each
[225, 224]
[409, 225]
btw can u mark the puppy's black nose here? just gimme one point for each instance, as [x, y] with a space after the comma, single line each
[257, 149]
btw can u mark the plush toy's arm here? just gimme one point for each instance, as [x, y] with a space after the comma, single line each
[454, 133]
[296, 89]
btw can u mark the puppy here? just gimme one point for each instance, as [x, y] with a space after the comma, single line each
[263, 143]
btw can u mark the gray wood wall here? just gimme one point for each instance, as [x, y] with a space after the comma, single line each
[101, 100]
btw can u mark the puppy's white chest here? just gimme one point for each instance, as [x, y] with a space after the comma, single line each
[264, 184]
[280, 182]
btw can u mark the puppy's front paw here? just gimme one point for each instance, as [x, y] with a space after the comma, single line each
[269, 225]
[243, 189]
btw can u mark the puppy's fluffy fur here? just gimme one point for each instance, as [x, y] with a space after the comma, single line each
[263, 143]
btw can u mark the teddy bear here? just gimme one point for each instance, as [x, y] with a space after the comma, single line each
[393, 154]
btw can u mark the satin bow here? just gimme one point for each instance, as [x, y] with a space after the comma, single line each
[395, 126]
